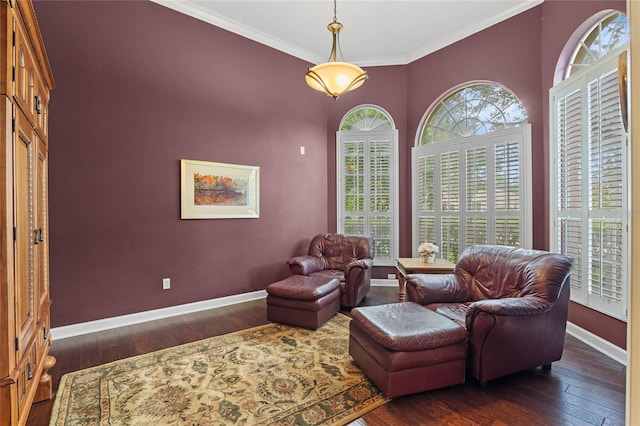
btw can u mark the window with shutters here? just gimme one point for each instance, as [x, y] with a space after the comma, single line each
[367, 176]
[472, 176]
[588, 148]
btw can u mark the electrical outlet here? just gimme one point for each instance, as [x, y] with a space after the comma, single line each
[391, 276]
[166, 283]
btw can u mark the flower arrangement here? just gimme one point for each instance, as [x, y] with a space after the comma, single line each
[427, 249]
[428, 252]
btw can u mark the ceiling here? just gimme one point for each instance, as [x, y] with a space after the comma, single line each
[377, 32]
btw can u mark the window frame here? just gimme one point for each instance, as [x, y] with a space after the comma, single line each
[595, 30]
[451, 100]
[579, 82]
[368, 136]
[488, 141]
[518, 123]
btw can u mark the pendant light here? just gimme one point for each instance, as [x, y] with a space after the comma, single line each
[332, 77]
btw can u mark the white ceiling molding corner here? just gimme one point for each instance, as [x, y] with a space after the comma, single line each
[378, 32]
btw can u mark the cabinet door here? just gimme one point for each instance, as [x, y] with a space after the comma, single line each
[24, 72]
[40, 107]
[41, 234]
[24, 232]
[6, 37]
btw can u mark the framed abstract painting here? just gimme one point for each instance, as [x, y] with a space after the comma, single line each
[218, 190]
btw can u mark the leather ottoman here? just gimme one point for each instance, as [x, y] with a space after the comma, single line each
[405, 348]
[303, 301]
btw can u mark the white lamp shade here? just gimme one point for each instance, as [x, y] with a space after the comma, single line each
[335, 78]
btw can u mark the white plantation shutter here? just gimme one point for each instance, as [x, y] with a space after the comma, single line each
[380, 180]
[588, 185]
[605, 261]
[568, 155]
[477, 196]
[475, 190]
[353, 186]
[426, 197]
[367, 189]
[507, 193]
[449, 204]
[450, 181]
[569, 242]
[476, 175]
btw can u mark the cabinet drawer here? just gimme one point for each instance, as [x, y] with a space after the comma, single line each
[26, 380]
[43, 340]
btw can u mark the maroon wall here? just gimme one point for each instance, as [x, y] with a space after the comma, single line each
[140, 87]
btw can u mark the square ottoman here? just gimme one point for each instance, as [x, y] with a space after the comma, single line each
[303, 301]
[405, 348]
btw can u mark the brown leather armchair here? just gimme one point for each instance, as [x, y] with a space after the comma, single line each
[513, 303]
[348, 258]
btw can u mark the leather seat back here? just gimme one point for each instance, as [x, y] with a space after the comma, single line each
[337, 250]
[491, 272]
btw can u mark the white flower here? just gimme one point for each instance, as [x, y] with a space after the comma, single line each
[428, 248]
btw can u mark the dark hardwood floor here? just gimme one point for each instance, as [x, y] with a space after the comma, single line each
[584, 388]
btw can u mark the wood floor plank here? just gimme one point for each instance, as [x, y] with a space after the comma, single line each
[584, 388]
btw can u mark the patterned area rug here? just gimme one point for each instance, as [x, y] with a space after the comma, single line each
[268, 375]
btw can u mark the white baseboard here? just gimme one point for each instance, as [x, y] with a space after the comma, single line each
[380, 282]
[598, 343]
[57, 333]
[66, 331]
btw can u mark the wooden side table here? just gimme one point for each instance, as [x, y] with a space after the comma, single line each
[412, 265]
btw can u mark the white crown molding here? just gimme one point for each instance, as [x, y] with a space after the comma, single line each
[455, 36]
[452, 34]
[192, 9]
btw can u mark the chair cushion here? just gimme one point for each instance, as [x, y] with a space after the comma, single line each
[407, 326]
[454, 311]
[328, 274]
[301, 287]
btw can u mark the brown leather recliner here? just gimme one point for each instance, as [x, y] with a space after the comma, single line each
[513, 303]
[348, 258]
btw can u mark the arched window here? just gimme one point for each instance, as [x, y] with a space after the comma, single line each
[367, 174]
[589, 197]
[475, 109]
[472, 182]
[608, 34]
[366, 118]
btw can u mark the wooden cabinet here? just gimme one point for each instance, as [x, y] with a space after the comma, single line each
[25, 82]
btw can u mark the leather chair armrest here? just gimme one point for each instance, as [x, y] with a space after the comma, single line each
[436, 288]
[357, 283]
[513, 306]
[305, 265]
[360, 263]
